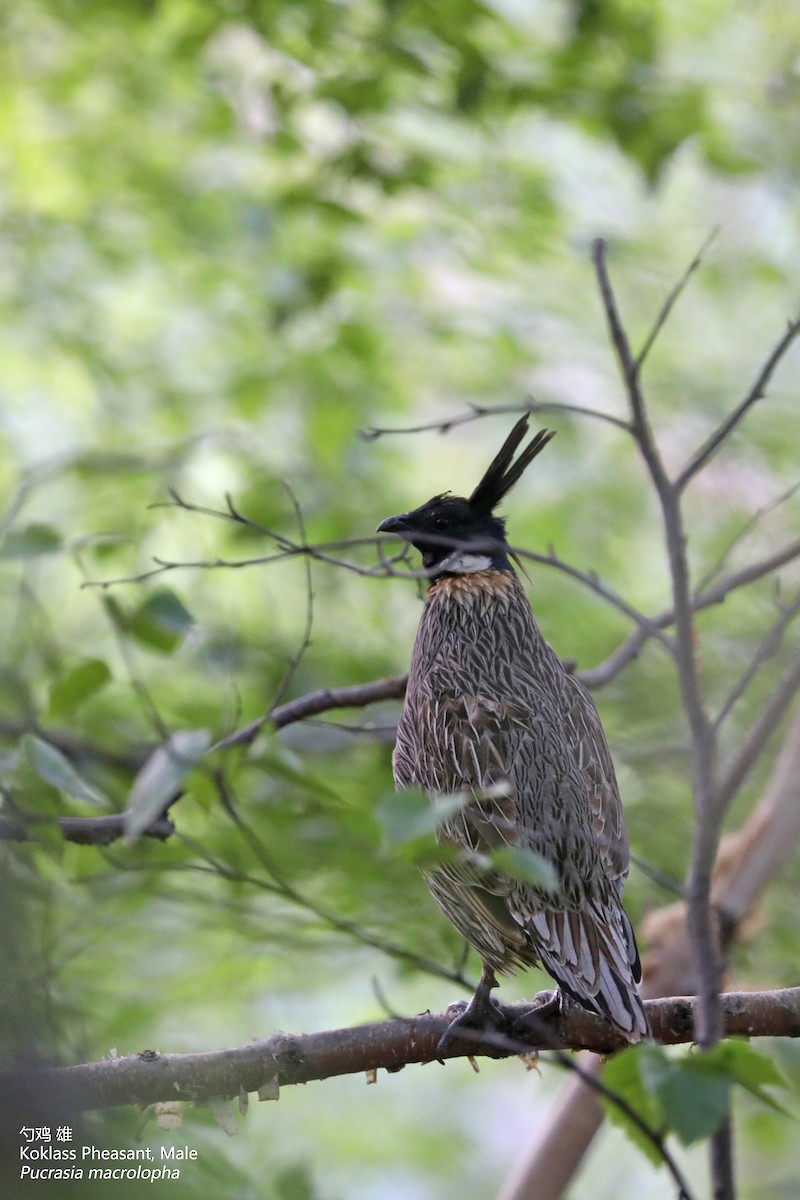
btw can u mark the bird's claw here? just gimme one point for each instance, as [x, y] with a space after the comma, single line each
[481, 1013]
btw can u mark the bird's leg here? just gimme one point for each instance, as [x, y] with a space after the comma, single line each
[482, 1012]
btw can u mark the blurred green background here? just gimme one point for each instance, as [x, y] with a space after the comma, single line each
[232, 237]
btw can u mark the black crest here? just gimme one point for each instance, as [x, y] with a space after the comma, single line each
[503, 472]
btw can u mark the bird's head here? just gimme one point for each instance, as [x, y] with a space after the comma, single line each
[456, 535]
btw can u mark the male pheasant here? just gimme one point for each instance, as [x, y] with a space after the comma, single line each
[490, 713]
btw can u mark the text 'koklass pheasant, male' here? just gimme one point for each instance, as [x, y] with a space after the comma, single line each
[490, 713]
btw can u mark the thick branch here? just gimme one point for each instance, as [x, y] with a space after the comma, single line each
[703, 736]
[284, 1059]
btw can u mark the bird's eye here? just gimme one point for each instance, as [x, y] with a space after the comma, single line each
[440, 522]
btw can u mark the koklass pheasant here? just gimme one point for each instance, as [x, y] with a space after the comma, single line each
[490, 713]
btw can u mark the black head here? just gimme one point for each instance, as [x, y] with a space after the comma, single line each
[457, 535]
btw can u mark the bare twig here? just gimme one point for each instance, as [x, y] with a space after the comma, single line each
[596, 677]
[768, 647]
[758, 735]
[756, 393]
[592, 581]
[751, 574]
[305, 640]
[671, 300]
[478, 411]
[722, 1160]
[713, 571]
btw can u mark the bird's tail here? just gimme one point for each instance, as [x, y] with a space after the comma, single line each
[592, 955]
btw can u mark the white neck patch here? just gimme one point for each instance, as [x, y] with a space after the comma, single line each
[465, 564]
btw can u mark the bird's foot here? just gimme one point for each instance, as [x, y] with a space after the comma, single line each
[481, 1013]
[544, 1006]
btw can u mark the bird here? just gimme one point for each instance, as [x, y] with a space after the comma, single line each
[491, 716]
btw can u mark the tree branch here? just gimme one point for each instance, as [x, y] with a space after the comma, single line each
[357, 696]
[703, 734]
[284, 1059]
[85, 831]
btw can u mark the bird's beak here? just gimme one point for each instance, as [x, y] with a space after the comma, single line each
[394, 524]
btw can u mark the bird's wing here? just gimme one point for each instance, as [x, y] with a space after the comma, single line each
[460, 743]
[470, 749]
[597, 770]
[493, 752]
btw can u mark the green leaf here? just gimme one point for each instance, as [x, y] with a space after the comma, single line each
[77, 685]
[55, 768]
[694, 1095]
[621, 1073]
[744, 1064]
[160, 622]
[411, 814]
[161, 777]
[525, 865]
[689, 1094]
[31, 542]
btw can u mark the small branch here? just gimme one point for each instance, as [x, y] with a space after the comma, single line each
[85, 831]
[627, 363]
[722, 1160]
[591, 580]
[718, 591]
[757, 736]
[767, 649]
[305, 641]
[597, 677]
[310, 705]
[749, 525]
[477, 411]
[756, 393]
[78, 748]
[671, 300]
[285, 1059]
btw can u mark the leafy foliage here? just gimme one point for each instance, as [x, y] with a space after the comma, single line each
[687, 1094]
